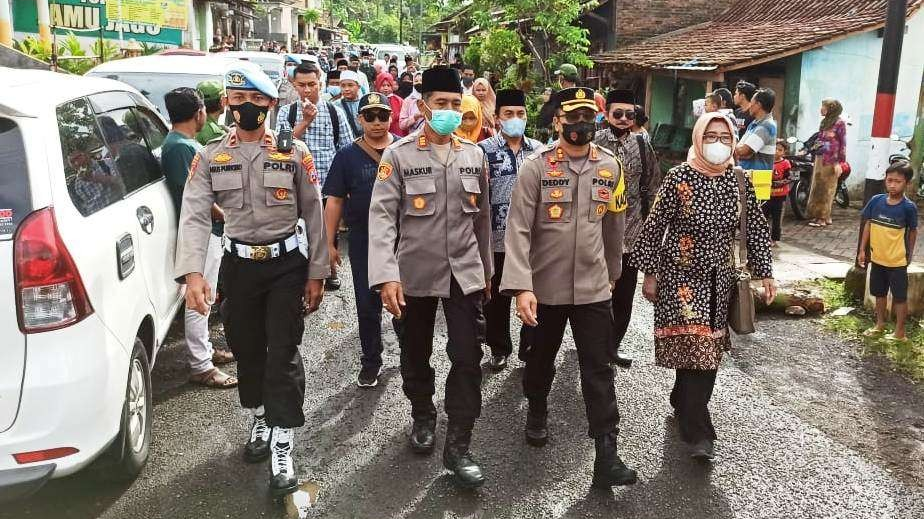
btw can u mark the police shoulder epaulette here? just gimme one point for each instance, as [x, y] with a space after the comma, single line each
[403, 140]
[606, 151]
[216, 139]
[537, 152]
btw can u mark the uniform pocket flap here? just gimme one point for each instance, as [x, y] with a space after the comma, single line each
[556, 194]
[471, 185]
[278, 180]
[423, 186]
[227, 181]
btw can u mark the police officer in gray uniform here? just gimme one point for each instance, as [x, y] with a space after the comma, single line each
[273, 266]
[564, 253]
[432, 186]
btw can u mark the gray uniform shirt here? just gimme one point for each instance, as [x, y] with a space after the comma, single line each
[637, 172]
[565, 228]
[262, 191]
[430, 220]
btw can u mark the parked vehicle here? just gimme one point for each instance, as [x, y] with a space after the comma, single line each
[803, 164]
[271, 63]
[156, 75]
[87, 236]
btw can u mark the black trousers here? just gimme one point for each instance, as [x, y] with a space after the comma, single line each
[623, 299]
[591, 327]
[368, 302]
[690, 399]
[465, 326]
[773, 210]
[264, 324]
[497, 313]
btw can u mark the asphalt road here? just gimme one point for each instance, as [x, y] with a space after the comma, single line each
[775, 457]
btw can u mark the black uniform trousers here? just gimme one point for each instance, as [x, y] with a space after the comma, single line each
[690, 400]
[773, 210]
[264, 324]
[497, 313]
[623, 300]
[465, 326]
[590, 325]
[368, 302]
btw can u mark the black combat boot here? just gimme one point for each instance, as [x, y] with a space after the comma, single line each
[537, 432]
[423, 435]
[458, 459]
[258, 448]
[609, 470]
[282, 475]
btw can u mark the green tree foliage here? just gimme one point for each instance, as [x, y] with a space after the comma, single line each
[546, 30]
[380, 21]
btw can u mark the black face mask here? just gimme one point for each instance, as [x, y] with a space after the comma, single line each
[248, 115]
[578, 134]
[619, 132]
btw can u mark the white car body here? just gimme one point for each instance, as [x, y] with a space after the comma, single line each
[66, 388]
[156, 75]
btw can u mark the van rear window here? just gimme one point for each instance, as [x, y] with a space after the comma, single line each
[15, 198]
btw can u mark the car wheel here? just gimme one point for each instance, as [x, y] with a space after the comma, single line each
[133, 444]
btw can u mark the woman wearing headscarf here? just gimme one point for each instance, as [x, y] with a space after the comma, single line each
[405, 85]
[472, 127]
[830, 153]
[482, 90]
[386, 85]
[684, 250]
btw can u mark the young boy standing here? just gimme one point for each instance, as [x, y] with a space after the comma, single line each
[779, 189]
[891, 231]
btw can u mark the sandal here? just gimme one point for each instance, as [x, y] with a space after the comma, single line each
[220, 357]
[214, 378]
[873, 332]
[816, 223]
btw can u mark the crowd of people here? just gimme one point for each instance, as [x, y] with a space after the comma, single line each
[446, 200]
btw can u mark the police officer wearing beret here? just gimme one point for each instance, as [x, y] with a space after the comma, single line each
[432, 186]
[273, 266]
[563, 254]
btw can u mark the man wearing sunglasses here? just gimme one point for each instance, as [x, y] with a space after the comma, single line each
[563, 247]
[432, 186]
[642, 180]
[348, 191]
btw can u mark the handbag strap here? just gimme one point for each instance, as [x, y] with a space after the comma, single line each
[742, 218]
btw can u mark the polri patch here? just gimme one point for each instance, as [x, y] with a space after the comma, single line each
[281, 194]
[385, 170]
[555, 211]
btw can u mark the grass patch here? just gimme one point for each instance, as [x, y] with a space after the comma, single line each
[907, 357]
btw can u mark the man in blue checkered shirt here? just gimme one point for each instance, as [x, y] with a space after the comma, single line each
[313, 119]
[314, 124]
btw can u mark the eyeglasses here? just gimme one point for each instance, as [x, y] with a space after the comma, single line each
[712, 138]
[619, 114]
[372, 115]
[578, 116]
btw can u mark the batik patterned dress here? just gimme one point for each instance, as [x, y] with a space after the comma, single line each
[686, 242]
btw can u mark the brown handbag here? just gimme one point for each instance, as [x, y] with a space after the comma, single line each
[741, 313]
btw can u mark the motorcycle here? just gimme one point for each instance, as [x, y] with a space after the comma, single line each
[803, 165]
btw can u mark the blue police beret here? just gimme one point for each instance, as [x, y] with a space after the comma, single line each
[292, 59]
[243, 79]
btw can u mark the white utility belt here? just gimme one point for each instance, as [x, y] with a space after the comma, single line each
[261, 252]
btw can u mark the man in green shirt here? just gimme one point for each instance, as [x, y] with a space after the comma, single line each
[213, 95]
[187, 115]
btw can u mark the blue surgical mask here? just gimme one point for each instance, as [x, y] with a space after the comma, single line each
[444, 122]
[514, 127]
[333, 90]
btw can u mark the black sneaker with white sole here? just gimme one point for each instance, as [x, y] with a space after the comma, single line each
[368, 377]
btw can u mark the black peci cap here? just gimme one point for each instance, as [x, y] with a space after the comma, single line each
[620, 96]
[510, 97]
[441, 79]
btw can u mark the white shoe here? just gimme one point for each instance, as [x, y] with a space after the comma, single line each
[282, 477]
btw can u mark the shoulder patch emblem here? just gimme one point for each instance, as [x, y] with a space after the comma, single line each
[221, 158]
[308, 163]
[385, 170]
[193, 165]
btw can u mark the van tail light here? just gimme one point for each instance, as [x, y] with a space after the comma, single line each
[49, 292]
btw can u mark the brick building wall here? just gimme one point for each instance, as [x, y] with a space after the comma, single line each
[640, 19]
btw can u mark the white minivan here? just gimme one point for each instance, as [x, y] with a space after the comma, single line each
[87, 239]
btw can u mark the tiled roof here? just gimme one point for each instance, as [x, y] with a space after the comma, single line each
[754, 31]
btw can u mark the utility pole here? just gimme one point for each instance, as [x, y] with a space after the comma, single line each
[884, 111]
[400, 22]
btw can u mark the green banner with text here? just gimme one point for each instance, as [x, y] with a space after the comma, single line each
[84, 18]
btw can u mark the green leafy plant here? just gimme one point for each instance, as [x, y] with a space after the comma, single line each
[148, 49]
[32, 47]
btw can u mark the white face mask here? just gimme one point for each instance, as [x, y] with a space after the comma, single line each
[717, 153]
